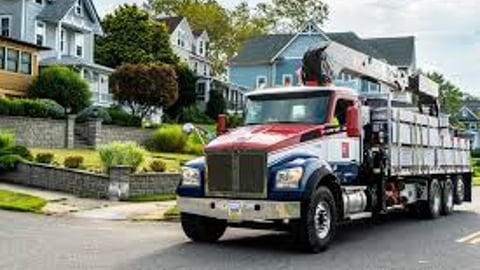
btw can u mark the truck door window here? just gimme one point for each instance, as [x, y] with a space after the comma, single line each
[341, 111]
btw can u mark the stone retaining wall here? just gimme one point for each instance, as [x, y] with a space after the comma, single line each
[119, 184]
[37, 132]
[109, 133]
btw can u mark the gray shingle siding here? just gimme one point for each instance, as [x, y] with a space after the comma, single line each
[261, 49]
[398, 51]
[56, 10]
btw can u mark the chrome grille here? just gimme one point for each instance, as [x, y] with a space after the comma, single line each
[237, 174]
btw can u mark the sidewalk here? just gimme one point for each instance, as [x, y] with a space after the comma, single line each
[62, 204]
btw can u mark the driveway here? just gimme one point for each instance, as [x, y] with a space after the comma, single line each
[37, 242]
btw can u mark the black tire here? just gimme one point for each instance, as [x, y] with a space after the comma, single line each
[202, 229]
[447, 198]
[431, 209]
[316, 228]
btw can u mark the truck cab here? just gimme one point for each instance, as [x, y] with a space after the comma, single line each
[306, 159]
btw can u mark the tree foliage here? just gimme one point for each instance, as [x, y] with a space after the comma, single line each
[62, 85]
[216, 105]
[187, 82]
[451, 97]
[132, 37]
[291, 15]
[144, 88]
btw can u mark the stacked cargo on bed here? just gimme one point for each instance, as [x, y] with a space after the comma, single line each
[422, 144]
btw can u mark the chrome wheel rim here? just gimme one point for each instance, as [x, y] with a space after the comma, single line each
[450, 198]
[322, 220]
[436, 200]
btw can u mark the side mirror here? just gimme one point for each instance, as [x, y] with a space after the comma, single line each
[353, 122]
[221, 124]
[188, 128]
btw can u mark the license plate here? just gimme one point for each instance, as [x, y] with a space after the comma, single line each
[234, 211]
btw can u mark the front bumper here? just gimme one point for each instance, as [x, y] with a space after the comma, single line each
[239, 210]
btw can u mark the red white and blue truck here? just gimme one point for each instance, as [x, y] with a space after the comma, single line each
[311, 157]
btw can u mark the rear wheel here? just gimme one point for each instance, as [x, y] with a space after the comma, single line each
[202, 229]
[431, 208]
[447, 198]
[459, 195]
[317, 226]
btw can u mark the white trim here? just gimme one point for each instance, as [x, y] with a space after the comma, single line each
[320, 33]
[470, 111]
[10, 18]
[257, 83]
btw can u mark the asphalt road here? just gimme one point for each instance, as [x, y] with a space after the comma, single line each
[37, 242]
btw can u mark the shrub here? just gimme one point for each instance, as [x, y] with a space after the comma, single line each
[94, 112]
[193, 115]
[32, 108]
[121, 154]
[216, 105]
[475, 153]
[73, 162]
[44, 158]
[7, 139]
[235, 120]
[158, 166]
[63, 85]
[168, 138]
[120, 117]
[21, 151]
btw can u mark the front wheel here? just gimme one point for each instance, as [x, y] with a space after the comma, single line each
[202, 229]
[316, 228]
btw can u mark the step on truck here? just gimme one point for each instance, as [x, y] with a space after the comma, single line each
[311, 157]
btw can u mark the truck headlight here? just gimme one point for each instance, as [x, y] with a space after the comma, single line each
[190, 177]
[289, 178]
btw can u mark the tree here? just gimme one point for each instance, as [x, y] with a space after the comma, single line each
[216, 105]
[187, 82]
[291, 15]
[144, 88]
[62, 85]
[132, 37]
[450, 94]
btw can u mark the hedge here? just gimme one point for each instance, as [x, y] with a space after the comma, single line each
[37, 108]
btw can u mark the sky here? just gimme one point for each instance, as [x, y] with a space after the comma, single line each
[447, 32]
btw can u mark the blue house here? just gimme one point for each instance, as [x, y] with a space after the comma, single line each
[274, 60]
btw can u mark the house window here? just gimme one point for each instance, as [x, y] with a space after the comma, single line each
[205, 70]
[12, 60]
[473, 126]
[6, 25]
[2, 57]
[261, 82]
[201, 91]
[78, 7]
[40, 2]
[26, 64]
[63, 41]
[181, 38]
[201, 50]
[40, 33]
[464, 113]
[79, 42]
[287, 79]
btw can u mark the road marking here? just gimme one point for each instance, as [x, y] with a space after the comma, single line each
[472, 239]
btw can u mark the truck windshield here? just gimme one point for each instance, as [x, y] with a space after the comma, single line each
[308, 108]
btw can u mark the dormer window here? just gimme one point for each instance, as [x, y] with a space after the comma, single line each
[5, 25]
[310, 29]
[78, 7]
[201, 48]
[181, 38]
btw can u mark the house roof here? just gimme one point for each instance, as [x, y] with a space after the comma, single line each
[171, 22]
[54, 11]
[399, 51]
[470, 114]
[23, 43]
[261, 49]
[73, 61]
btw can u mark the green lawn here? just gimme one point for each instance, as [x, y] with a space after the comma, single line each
[92, 158]
[20, 202]
[153, 198]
